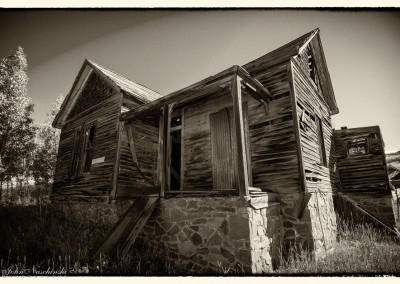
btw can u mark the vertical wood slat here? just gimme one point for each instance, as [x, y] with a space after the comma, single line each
[222, 151]
[242, 175]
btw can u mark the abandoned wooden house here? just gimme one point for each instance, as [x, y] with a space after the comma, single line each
[227, 170]
[360, 160]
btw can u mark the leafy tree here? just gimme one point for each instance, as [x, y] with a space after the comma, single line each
[16, 129]
[46, 148]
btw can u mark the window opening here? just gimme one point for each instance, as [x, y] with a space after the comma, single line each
[357, 147]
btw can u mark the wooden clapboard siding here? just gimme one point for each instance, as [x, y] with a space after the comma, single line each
[105, 113]
[145, 140]
[309, 107]
[366, 171]
[197, 160]
[94, 92]
[274, 159]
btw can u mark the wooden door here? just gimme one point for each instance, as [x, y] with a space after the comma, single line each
[223, 167]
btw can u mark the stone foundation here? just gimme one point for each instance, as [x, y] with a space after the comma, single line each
[97, 212]
[203, 234]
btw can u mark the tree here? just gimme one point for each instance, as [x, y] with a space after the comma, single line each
[16, 129]
[46, 149]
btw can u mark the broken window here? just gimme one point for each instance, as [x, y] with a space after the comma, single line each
[312, 67]
[357, 147]
[81, 160]
[88, 148]
[75, 155]
[321, 142]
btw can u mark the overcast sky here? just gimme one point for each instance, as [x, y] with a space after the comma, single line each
[168, 50]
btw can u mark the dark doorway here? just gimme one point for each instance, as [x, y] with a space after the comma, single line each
[175, 154]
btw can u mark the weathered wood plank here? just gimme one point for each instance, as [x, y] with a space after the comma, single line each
[124, 233]
[242, 174]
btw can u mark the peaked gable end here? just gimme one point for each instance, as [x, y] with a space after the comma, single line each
[102, 81]
[312, 61]
[297, 50]
[95, 91]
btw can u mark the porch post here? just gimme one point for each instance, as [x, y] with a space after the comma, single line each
[163, 150]
[242, 176]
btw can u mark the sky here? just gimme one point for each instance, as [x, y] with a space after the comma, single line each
[166, 50]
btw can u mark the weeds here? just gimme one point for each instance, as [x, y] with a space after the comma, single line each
[360, 249]
[56, 243]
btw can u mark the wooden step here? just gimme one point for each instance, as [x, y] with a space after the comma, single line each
[124, 233]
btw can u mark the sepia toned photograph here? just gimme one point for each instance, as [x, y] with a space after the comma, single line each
[187, 142]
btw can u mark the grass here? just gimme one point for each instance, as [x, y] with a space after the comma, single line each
[55, 241]
[58, 242]
[361, 249]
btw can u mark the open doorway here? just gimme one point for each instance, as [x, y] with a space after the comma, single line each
[175, 151]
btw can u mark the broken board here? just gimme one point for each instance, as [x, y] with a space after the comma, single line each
[124, 233]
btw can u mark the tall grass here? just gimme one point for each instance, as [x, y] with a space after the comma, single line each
[361, 249]
[58, 241]
[48, 238]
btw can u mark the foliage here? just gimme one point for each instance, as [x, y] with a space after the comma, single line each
[47, 139]
[361, 249]
[16, 125]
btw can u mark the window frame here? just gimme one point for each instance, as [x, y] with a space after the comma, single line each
[357, 141]
[82, 151]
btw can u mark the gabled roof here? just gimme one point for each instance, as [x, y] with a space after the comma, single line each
[293, 49]
[280, 54]
[116, 81]
[140, 92]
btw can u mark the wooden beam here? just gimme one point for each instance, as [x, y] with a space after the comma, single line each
[182, 149]
[164, 144]
[160, 157]
[168, 152]
[296, 129]
[265, 93]
[116, 161]
[177, 97]
[242, 176]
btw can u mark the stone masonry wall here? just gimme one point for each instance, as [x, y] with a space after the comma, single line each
[316, 230]
[266, 236]
[203, 234]
[323, 222]
[97, 212]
